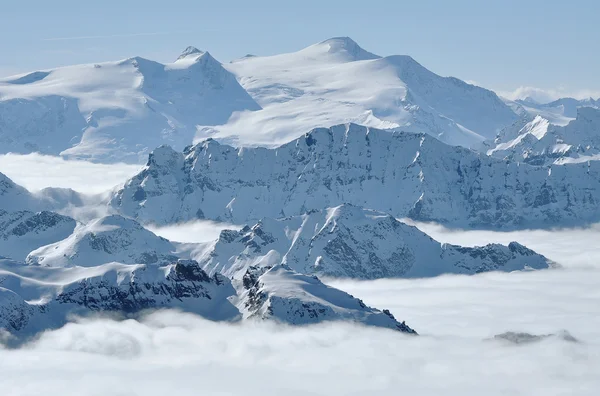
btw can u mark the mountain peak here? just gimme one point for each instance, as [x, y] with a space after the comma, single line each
[347, 48]
[190, 51]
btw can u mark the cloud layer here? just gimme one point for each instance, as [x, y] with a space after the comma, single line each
[36, 171]
[548, 95]
[171, 352]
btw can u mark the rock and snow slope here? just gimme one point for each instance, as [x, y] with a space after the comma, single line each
[336, 81]
[284, 295]
[539, 142]
[23, 231]
[404, 174]
[117, 111]
[351, 242]
[34, 298]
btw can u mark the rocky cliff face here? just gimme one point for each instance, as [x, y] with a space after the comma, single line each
[406, 175]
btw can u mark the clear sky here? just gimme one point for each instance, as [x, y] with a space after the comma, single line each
[552, 45]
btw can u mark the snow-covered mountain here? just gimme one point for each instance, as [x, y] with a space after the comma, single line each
[404, 174]
[117, 111]
[35, 298]
[284, 295]
[110, 238]
[539, 142]
[23, 231]
[114, 265]
[558, 112]
[351, 242]
[336, 81]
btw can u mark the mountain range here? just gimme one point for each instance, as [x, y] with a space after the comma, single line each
[403, 174]
[317, 156]
[113, 265]
[119, 111]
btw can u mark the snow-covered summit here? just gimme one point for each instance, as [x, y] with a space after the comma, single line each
[339, 49]
[336, 81]
[190, 51]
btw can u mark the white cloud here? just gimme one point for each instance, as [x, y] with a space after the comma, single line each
[547, 95]
[456, 316]
[36, 171]
[193, 231]
[571, 248]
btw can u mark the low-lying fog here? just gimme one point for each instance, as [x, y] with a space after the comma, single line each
[174, 353]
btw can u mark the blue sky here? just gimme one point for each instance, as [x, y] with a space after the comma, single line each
[501, 45]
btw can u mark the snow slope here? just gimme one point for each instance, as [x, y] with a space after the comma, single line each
[351, 242]
[110, 238]
[539, 142]
[404, 174]
[336, 81]
[117, 111]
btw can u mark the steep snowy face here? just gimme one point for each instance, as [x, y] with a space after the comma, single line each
[351, 242]
[34, 299]
[14, 197]
[23, 231]
[108, 239]
[336, 81]
[540, 143]
[286, 296]
[404, 174]
[117, 111]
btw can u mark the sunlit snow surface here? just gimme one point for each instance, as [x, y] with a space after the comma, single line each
[455, 315]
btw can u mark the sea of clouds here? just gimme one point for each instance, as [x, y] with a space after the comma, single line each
[457, 317]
